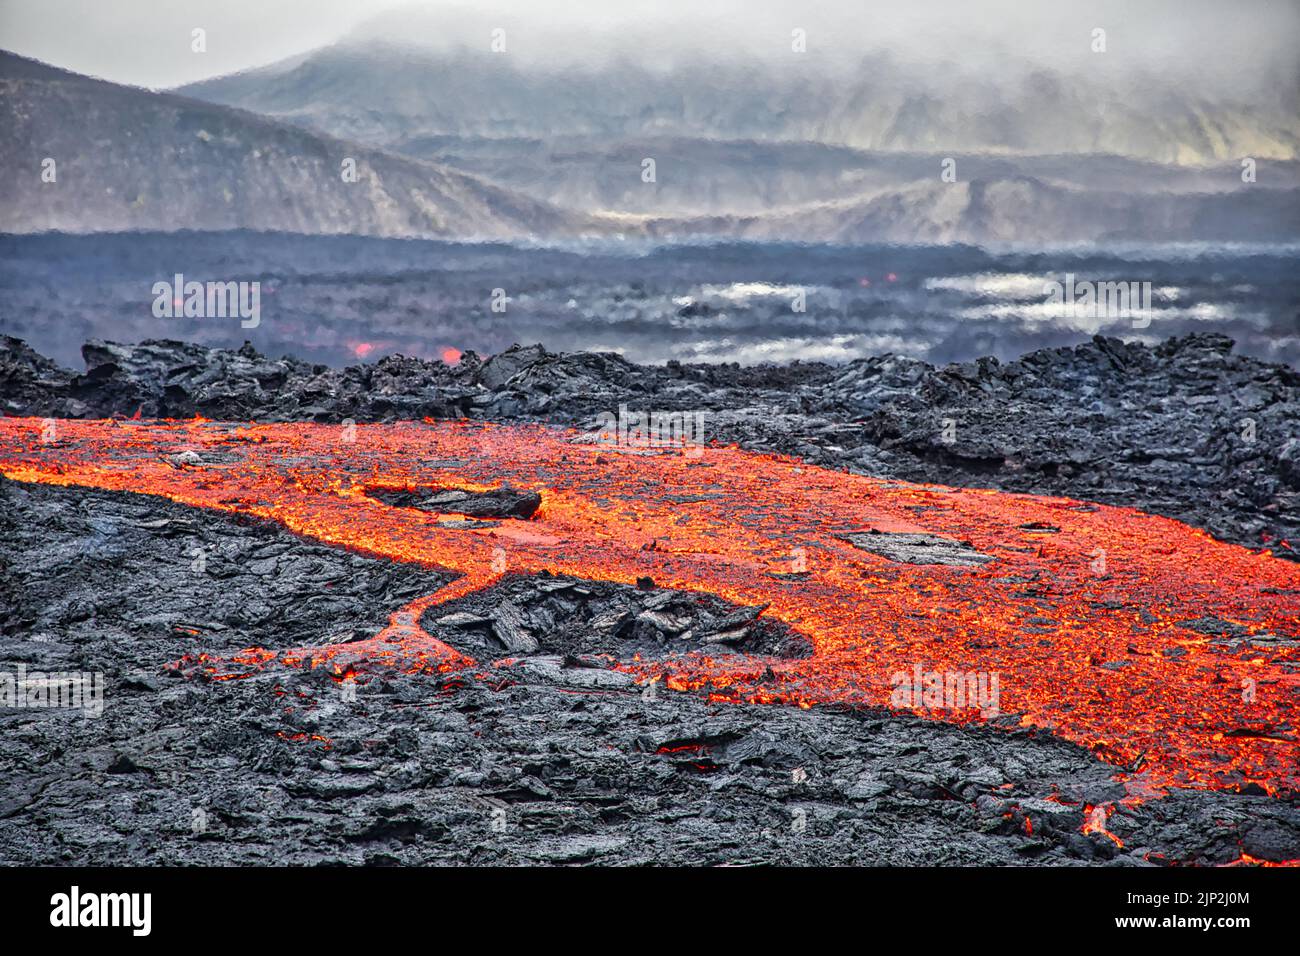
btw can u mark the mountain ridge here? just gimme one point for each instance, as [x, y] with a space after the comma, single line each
[131, 158]
[881, 105]
[128, 159]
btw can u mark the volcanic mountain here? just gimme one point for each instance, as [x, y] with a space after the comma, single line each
[1015, 209]
[769, 150]
[125, 158]
[377, 88]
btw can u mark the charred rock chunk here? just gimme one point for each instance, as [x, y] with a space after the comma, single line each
[919, 548]
[577, 619]
[505, 502]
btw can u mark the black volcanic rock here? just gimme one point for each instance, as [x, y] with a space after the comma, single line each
[30, 384]
[500, 503]
[919, 548]
[585, 765]
[549, 755]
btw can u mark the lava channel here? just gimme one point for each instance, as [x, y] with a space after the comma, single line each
[1165, 652]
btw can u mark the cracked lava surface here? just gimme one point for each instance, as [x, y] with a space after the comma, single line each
[1083, 612]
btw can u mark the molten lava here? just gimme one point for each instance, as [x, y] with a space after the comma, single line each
[1094, 618]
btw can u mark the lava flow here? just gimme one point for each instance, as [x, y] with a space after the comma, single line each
[1165, 652]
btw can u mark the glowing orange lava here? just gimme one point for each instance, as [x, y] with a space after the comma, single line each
[1080, 613]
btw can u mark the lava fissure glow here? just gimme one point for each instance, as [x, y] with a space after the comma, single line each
[1099, 657]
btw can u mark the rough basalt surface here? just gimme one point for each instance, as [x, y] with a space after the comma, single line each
[546, 755]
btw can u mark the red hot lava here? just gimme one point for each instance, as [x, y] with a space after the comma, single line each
[1167, 653]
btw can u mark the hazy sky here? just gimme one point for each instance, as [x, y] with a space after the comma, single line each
[148, 41]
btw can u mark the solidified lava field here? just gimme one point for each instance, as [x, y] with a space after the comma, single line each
[457, 641]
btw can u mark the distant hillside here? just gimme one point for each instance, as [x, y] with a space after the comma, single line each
[750, 178]
[1018, 210]
[762, 151]
[129, 159]
[384, 93]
